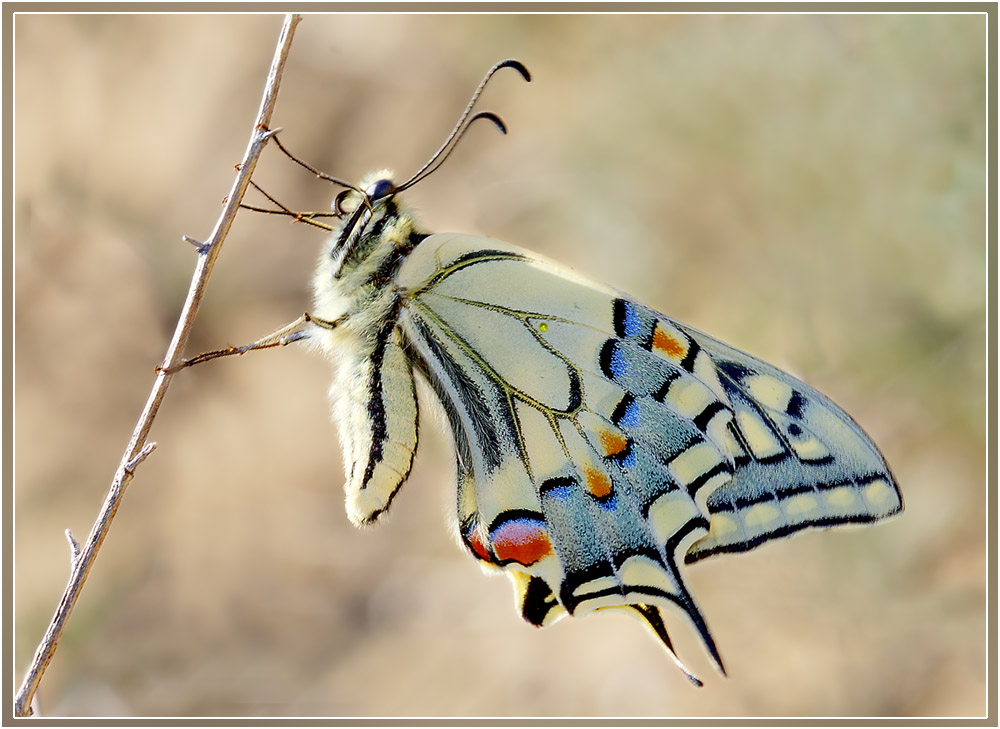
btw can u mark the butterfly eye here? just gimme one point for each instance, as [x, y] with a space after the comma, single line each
[380, 189]
[342, 205]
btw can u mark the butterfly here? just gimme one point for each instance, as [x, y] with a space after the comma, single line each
[599, 444]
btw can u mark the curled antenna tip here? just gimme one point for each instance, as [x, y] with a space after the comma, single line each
[493, 118]
[517, 66]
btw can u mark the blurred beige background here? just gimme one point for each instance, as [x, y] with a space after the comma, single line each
[809, 188]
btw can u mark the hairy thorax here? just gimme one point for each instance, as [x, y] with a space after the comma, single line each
[357, 290]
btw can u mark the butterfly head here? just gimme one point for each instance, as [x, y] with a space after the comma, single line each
[378, 187]
[374, 225]
[376, 231]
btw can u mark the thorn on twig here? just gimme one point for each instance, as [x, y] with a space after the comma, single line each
[139, 457]
[269, 133]
[200, 247]
[74, 548]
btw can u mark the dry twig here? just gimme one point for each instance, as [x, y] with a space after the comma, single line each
[137, 450]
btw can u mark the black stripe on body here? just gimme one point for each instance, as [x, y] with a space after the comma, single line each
[821, 461]
[391, 263]
[651, 615]
[376, 404]
[620, 558]
[355, 242]
[690, 442]
[618, 317]
[647, 341]
[779, 436]
[685, 601]
[775, 457]
[575, 390]
[655, 592]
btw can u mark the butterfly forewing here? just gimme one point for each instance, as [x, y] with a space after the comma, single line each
[801, 460]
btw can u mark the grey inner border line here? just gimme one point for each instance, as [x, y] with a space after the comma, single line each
[10, 673]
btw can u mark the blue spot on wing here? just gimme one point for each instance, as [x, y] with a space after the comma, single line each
[628, 322]
[561, 492]
[629, 460]
[626, 414]
[632, 322]
[609, 504]
[619, 365]
[613, 361]
[560, 488]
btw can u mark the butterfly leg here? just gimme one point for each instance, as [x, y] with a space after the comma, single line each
[293, 332]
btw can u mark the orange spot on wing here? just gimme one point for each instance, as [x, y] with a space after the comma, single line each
[523, 541]
[475, 543]
[613, 443]
[597, 484]
[668, 343]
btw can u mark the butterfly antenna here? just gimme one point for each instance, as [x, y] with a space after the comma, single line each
[458, 132]
[441, 157]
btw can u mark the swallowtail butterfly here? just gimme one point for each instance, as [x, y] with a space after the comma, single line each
[599, 444]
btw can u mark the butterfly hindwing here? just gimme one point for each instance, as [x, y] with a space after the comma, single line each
[569, 478]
